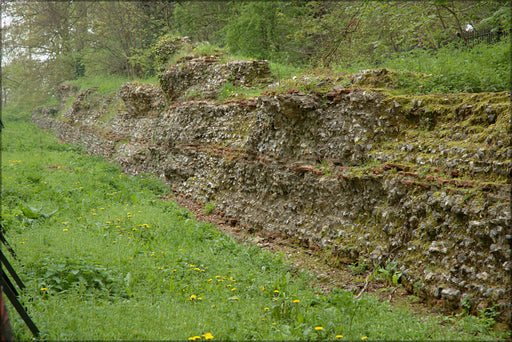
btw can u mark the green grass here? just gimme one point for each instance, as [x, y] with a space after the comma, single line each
[104, 258]
[484, 67]
[108, 83]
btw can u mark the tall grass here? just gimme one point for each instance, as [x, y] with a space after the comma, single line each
[105, 258]
[108, 83]
[484, 67]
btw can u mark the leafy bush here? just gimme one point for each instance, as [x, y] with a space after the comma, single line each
[166, 47]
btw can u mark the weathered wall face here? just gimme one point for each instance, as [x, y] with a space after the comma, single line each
[418, 180]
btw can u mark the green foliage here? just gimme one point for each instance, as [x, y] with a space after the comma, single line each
[209, 207]
[207, 49]
[388, 273]
[326, 168]
[481, 68]
[167, 46]
[202, 20]
[106, 84]
[57, 42]
[253, 31]
[284, 71]
[229, 91]
[358, 268]
[65, 274]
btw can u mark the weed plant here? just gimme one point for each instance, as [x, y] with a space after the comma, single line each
[105, 258]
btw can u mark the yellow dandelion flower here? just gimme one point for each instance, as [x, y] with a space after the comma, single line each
[319, 328]
[44, 289]
[193, 297]
[338, 336]
[233, 289]
[364, 337]
[266, 308]
[295, 301]
[65, 230]
[208, 336]
[193, 338]
[276, 291]
[262, 288]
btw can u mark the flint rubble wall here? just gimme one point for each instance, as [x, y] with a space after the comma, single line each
[423, 181]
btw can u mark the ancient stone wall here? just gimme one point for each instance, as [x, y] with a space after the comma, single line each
[423, 181]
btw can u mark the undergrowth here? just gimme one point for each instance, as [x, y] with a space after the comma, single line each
[451, 69]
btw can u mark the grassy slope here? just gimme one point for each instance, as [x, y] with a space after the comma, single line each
[105, 259]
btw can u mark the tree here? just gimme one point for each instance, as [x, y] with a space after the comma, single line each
[201, 20]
